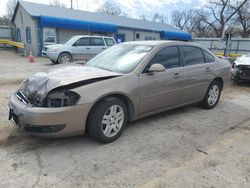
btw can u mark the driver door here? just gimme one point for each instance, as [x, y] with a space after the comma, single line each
[82, 48]
[164, 89]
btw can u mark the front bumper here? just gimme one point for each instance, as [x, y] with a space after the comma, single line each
[52, 55]
[241, 73]
[49, 122]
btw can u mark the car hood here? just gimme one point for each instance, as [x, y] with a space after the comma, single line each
[55, 46]
[242, 61]
[62, 75]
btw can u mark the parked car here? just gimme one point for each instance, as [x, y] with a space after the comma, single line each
[241, 68]
[77, 48]
[126, 82]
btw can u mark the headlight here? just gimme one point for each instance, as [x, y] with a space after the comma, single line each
[61, 99]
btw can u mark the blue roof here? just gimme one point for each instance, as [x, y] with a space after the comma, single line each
[170, 35]
[49, 21]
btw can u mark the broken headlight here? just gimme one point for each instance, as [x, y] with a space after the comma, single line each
[61, 99]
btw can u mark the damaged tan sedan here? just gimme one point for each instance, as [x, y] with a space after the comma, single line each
[124, 83]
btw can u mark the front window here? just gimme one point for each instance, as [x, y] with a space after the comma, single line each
[120, 58]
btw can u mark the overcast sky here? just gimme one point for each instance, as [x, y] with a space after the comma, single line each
[133, 8]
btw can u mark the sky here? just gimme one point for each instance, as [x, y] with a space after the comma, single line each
[133, 8]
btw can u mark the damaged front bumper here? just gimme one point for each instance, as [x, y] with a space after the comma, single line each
[48, 122]
[241, 73]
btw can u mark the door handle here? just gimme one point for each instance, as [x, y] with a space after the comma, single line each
[177, 75]
[87, 48]
[208, 69]
[103, 48]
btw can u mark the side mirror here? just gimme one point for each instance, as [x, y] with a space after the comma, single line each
[156, 68]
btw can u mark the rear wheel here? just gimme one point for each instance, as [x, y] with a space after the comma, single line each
[64, 58]
[212, 96]
[107, 120]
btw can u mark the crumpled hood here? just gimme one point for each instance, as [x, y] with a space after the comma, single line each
[242, 61]
[43, 82]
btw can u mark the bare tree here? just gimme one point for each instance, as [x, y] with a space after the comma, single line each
[219, 13]
[57, 3]
[111, 8]
[156, 17]
[11, 5]
[4, 20]
[243, 19]
[182, 19]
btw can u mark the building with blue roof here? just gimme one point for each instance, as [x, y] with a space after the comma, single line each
[37, 25]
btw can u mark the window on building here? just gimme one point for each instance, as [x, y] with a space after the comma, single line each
[192, 55]
[97, 42]
[28, 35]
[18, 35]
[137, 35]
[168, 57]
[149, 38]
[109, 42]
[49, 36]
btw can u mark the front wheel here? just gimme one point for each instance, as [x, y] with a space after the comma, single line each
[107, 120]
[212, 96]
[65, 58]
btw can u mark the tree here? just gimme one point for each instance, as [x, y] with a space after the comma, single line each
[11, 5]
[182, 19]
[109, 7]
[243, 19]
[218, 13]
[57, 3]
[156, 17]
[4, 20]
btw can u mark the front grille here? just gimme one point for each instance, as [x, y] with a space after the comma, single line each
[245, 69]
[21, 97]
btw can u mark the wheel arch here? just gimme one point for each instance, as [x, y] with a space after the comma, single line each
[220, 80]
[127, 101]
[68, 52]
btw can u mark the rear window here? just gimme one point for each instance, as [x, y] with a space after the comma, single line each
[109, 42]
[192, 55]
[208, 57]
[97, 42]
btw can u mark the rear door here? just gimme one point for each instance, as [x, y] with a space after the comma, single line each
[198, 73]
[97, 45]
[162, 89]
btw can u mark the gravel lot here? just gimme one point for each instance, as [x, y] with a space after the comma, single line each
[187, 147]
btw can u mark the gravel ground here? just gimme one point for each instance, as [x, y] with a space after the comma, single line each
[187, 147]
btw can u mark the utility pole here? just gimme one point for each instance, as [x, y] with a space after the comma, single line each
[71, 4]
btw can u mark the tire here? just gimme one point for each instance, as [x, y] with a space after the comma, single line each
[54, 62]
[212, 96]
[112, 108]
[65, 58]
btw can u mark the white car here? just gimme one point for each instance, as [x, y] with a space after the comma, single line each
[241, 68]
[82, 47]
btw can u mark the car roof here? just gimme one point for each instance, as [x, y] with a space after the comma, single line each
[80, 36]
[161, 42]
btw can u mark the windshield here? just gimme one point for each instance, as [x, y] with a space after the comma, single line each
[120, 58]
[70, 41]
